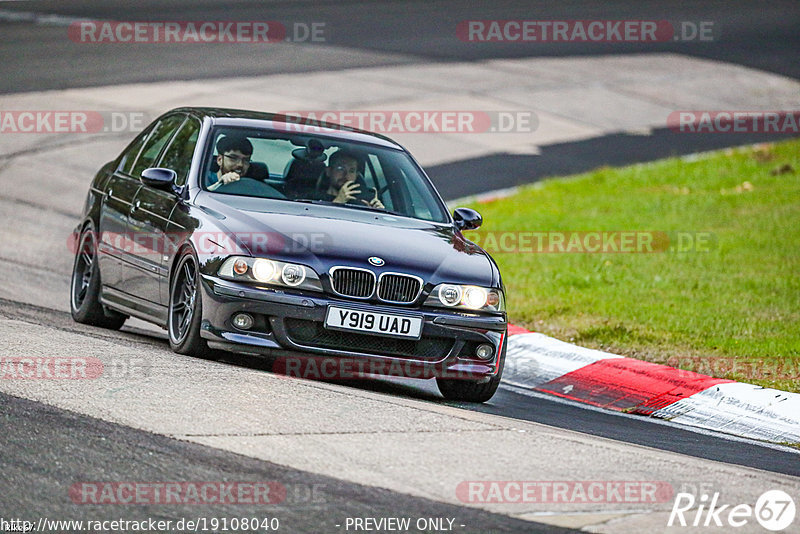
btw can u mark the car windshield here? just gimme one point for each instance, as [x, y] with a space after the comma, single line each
[315, 169]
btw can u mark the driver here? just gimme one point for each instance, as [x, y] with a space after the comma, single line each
[344, 182]
[233, 160]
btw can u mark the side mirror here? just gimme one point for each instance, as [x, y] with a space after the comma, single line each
[467, 219]
[159, 178]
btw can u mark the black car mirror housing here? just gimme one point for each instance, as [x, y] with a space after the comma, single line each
[159, 178]
[467, 219]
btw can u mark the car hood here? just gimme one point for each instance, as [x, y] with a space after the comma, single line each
[323, 236]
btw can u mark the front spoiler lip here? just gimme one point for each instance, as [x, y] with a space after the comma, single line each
[369, 364]
[244, 298]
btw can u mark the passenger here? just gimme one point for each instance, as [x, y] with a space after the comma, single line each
[233, 159]
[341, 182]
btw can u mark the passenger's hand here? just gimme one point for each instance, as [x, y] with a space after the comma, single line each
[349, 191]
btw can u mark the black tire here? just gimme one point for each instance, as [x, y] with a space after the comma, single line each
[84, 291]
[185, 310]
[470, 391]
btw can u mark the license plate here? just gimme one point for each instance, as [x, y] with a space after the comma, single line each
[376, 323]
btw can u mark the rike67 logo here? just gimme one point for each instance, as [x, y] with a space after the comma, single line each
[774, 510]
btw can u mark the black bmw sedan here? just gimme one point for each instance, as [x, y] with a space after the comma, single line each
[306, 242]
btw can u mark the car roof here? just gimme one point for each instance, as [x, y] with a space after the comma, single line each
[291, 124]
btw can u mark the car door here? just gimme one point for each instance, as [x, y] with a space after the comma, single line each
[149, 217]
[130, 255]
[112, 229]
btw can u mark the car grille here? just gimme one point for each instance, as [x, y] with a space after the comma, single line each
[356, 283]
[314, 334]
[398, 288]
[360, 284]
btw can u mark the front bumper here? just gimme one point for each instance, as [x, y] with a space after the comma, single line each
[291, 325]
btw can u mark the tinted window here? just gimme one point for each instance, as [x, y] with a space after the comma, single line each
[129, 157]
[152, 148]
[178, 156]
[383, 174]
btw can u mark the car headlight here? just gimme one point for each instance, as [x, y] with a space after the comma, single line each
[466, 297]
[272, 272]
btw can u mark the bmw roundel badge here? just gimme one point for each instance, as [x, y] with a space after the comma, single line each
[376, 261]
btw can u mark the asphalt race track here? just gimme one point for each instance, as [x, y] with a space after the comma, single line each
[339, 450]
[761, 35]
[50, 437]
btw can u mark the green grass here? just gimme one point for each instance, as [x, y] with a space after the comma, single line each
[732, 311]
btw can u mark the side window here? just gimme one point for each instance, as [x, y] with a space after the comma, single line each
[178, 156]
[129, 158]
[152, 148]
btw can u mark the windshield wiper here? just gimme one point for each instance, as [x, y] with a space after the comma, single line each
[370, 208]
[354, 206]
